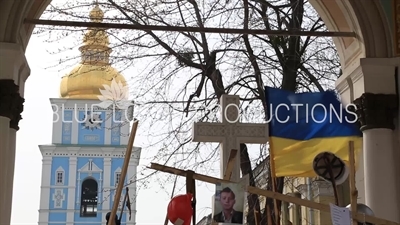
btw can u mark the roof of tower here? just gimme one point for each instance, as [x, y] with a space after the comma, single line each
[95, 71]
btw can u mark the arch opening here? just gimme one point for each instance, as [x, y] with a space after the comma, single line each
[89, 198]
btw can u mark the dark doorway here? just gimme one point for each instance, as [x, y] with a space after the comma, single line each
[89, 198]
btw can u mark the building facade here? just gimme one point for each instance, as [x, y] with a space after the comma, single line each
[82, 166]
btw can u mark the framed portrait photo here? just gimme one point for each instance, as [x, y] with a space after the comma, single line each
[229, 203]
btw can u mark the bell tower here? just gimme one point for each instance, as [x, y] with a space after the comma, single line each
[82, 166]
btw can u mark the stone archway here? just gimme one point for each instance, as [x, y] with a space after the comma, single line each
[366, 18]
[370, 19]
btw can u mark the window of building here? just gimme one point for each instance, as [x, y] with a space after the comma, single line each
[117, 178]
[60, 177]
[89, 199]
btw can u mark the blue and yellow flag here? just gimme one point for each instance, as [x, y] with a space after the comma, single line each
[303, 125]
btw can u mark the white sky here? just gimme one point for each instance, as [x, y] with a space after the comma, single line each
[36, 129]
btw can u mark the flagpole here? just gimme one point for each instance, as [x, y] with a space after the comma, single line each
[352, 178]
[272, 164]
[123, 172]
[273, 181]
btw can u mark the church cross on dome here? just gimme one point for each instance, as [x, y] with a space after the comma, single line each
[95, 49]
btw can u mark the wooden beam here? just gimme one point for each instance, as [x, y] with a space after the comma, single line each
[352, 179]
[191, 29]
[274, 195]
[196, 176]
[230, 165]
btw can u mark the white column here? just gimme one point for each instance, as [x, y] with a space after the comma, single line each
[106, 187]
[380, 173]
[74, 128]
[374, 82]
[23, 73]
[57, 123]
[108, 124]
[131, 180]
[125, 129]
[4, 149]
[71, 189]
[378, 105]
[12, 63]
[100, 188]
[10, 172]
[45, 190]
[78, 185]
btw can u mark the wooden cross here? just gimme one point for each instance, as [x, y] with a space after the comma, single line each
[230, 133]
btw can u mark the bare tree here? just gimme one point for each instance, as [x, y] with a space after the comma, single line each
[186, 71]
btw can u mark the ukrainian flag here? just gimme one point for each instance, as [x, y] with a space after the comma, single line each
[303, 125]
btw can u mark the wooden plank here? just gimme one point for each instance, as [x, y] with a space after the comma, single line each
[231, 164]
[124, 170]
[196, 176]
[275, 195]
[191, 29]
[191, 188]
[352, 179]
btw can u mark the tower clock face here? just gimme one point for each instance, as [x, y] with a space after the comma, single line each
[92, 121]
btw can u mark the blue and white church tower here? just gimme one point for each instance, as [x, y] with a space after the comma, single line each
[82, 166]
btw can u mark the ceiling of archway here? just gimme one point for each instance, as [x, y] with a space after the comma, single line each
[387, 6]
[330, 5]
[340, 20]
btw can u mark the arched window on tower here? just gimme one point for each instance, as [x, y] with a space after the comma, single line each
[89, 198]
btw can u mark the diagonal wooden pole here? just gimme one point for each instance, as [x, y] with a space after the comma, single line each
[120, 185]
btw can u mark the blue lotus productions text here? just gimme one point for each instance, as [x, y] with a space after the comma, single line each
[305, 113]
[316, 113]
[92, 111]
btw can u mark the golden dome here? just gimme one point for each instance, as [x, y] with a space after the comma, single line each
[85, 81]
[94, 71]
